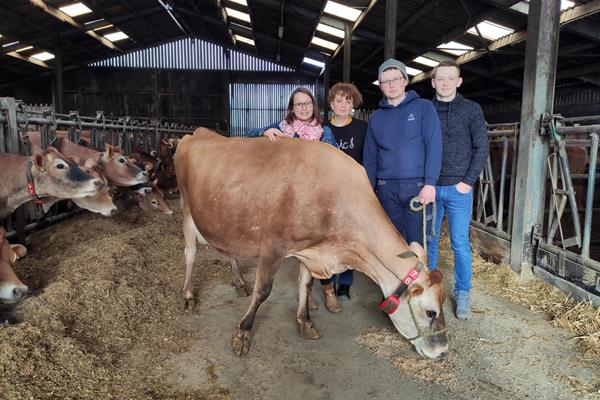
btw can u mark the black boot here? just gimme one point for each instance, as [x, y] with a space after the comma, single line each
[343, 290]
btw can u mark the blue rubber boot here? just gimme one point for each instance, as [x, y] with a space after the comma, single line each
[463, 309]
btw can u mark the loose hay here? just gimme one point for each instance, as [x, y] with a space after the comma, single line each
[579, 317]
[106, 314]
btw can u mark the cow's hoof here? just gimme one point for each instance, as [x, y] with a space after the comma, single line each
[307, 330]
[190, 304]
[242, 290]
[240, 342]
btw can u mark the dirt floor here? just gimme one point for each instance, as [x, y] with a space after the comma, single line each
[106, 321]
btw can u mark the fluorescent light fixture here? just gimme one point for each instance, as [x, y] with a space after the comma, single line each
[324, 43]
[116, 36]
[103, 27]
[458, 49]
[94, 21]
[237, 14]
[341, 11]
[23, 49]
[242, 2]
[316, 63]
[330, 30]
[10, 44]
[491, 30]
[376, 83]
[243, 39]
[43, 56]
[426, 61]
[413, 71]
[73, 10]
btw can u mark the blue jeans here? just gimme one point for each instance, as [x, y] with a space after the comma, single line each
[458, 208]
[395, 197]
[345, 278]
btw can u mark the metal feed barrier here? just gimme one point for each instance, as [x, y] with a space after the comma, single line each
[18, 119]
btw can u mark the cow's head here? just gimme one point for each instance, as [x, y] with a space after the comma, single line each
[54, 175]
[12, 290]
[151, 198]
[101, 202]
[420, 317]
[119, 170]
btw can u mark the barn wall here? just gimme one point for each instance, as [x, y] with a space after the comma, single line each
[198, 98]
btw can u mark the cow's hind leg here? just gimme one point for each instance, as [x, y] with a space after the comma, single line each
[190, 237]
[240, 342]
[241, 287]
[305, 326]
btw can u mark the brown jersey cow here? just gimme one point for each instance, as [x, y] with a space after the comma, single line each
[303, 199]
[12, 290]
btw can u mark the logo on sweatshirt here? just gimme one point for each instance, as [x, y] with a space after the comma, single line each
[411, 117]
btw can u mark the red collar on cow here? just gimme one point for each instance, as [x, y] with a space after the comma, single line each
[391, 304]
[31, 185]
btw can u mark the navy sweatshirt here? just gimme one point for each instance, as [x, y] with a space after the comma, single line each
[404, 142]
[465, 140]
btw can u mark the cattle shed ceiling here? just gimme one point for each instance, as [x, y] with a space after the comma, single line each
[282, 31]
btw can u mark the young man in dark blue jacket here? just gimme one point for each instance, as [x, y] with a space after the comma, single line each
[403, 150]
[465, 144]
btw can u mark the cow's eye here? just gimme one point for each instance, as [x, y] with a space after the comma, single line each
[122, 160]
[154, 202]
[431, 314]
[61, 166]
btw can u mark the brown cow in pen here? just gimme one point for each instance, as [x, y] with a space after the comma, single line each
[281, 199]
[12, 290]
[46, 173]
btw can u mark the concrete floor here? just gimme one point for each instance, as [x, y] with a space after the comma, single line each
[505, 351]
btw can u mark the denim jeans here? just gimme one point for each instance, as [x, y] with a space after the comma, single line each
[457, 207]
[345, 278]
[395, 197]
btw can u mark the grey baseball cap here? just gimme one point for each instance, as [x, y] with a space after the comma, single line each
[392, 63]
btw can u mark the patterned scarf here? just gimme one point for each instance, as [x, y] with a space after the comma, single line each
[304, 130]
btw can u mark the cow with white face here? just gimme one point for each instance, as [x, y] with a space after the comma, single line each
[308, 200]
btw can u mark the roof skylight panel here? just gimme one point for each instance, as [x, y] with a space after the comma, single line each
[76, 9]
[491, 30]
[341, 11]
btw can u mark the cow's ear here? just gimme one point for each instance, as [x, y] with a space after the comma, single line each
[108, 152]
[38, 161]
[19, 250]
[419, 251]
[164, 141]
[75, 159]
[148, 166]
[155, 181]
[435, 276]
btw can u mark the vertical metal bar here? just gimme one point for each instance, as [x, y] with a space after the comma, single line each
[348, 49]
[589, 200]
[391, 21]
[513, 182]
[538, 97]
[570, 191]
[499, 225]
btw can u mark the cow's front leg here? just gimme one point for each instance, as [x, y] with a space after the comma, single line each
[189, 235]
[305, 326]
[241, 287]
[265, 272]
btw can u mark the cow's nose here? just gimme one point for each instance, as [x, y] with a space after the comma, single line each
[98, 183]
[20, 292]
